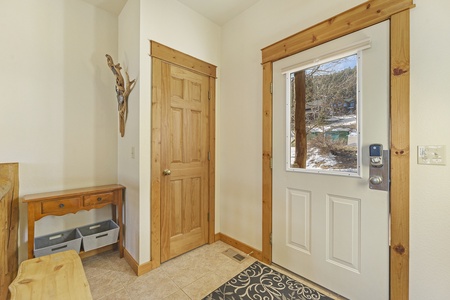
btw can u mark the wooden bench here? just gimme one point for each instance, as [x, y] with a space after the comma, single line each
[9, 223]
[54, 276]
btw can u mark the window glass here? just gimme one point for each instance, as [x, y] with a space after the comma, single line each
[323, 117]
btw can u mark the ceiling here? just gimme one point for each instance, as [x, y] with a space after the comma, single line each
[112, 6]
[218, 11]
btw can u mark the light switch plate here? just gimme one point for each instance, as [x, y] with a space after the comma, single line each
[431, 155]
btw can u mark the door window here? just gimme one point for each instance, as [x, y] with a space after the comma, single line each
[322, 117]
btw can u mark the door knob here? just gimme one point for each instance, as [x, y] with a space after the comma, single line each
[376, 180]
[167, 172]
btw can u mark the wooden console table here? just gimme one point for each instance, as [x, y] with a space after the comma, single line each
[71, 201]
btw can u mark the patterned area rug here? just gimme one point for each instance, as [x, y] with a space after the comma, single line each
[262, 282]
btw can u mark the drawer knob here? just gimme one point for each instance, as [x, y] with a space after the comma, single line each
[61, 205]
[99, 199]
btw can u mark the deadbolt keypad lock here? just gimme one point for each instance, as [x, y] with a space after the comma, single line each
[376, 155]
[378, 168]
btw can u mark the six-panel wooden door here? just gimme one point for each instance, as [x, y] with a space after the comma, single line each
[184, 160]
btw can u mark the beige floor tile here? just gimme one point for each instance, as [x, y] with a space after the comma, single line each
[153, 285]
[188, 268]
[121, 294]
[219, 246]
[204, 286]
[93, 267]
[231, 268]
[179, 295]
[186, 276]
[105, 284]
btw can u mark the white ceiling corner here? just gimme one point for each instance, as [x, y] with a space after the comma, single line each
[219, 11]
[112, 6]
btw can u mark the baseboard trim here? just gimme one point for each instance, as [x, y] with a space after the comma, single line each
[137, 268]
[130, 260]
[148, 266]
[239, 245]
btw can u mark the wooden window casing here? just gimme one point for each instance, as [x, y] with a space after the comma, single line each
[352, 20]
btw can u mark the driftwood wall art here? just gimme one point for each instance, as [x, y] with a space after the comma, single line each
[122, 90]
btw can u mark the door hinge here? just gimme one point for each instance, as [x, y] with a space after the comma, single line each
[209, 95]
[271, 87]
[208, 217]
[271, 163]
[271, 238]
[209, 155]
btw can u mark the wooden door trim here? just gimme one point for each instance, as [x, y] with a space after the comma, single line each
[364, 15]
[160, 53]
[359, 17]
[181, 59]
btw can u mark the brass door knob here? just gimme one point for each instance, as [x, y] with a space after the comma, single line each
[167, 172]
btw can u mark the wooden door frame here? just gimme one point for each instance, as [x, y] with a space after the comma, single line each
[352, 20]
[159, 54]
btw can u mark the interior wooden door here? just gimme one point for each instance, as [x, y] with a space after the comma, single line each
[184, 160]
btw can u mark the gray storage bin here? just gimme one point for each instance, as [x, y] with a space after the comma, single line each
[99, 234]
[57, 242]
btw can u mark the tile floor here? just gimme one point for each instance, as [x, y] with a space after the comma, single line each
[190, 276]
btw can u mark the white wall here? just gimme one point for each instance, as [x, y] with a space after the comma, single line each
[240, 127]
[129, 55]
[58, 116]
[430, 188]
[175, 25]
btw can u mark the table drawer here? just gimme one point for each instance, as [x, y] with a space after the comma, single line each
[96, 199]
[60, 205]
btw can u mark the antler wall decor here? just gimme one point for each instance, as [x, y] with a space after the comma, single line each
[122, 92]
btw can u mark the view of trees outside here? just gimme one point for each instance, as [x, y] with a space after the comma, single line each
[324, 133]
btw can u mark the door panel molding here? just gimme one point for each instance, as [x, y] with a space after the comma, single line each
[359, 17]
[159, 54]
[298, 203]
[346, 252]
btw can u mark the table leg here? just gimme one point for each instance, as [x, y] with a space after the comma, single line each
[119, 212]
[30, 230]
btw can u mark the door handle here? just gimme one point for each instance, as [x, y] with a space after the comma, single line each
[167, 172]
[376, 180]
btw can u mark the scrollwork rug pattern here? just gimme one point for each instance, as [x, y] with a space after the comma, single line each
[260, 282]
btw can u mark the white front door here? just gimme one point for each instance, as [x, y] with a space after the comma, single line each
[329, 227]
